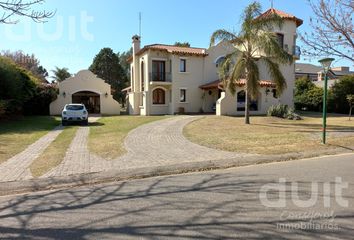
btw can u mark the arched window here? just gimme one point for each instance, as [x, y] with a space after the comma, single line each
[142, 76]
[158, 96]
[219, 61]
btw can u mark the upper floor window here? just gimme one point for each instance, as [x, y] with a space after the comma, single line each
[280, 39]
[183, 65]
[158, 71]
[142, 76]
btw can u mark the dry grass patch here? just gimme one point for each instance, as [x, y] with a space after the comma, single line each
[54, 154]
[17, 135]
[107, 136]
[267, 135]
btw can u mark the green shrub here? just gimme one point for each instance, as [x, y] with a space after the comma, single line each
[283, 111]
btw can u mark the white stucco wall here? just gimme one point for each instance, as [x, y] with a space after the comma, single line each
[85, 81]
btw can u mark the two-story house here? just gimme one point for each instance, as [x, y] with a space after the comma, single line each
[168, 79]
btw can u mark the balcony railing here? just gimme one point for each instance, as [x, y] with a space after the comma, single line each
[160, 77]
[297, 51]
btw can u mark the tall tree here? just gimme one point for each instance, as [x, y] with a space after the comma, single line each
[182, 44]
[332, 29]
[13, 9]
[106, 65]
[60, 74]
[29, 62]
[253, 44]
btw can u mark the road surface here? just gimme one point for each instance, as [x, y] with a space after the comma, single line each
[256, 202]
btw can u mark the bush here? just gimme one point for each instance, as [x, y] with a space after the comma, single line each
[283, 111]
[17, 86]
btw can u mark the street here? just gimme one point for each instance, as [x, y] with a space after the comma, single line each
[255, 202]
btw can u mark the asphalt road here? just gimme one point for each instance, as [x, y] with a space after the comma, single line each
[256, 202]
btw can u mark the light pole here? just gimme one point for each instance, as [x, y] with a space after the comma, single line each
[326, 64]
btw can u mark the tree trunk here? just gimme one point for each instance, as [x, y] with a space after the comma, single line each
[350, 112]
[247, 108]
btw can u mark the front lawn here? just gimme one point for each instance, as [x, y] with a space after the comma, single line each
[108, 133]
[268, 135]
[16, 135]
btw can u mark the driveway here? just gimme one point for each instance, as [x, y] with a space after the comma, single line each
[162, 143]
[155, 144]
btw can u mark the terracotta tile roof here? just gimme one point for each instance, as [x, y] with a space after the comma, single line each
[176, 50]
[282, 14]
[172, 49]
[241, 82]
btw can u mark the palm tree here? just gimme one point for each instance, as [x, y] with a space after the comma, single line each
[254, 44]
[60, 74]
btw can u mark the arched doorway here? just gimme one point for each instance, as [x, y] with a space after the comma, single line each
[91, 100]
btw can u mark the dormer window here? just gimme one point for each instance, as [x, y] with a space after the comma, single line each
[280, 39]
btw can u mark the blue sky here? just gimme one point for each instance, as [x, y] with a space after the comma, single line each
[81, 28]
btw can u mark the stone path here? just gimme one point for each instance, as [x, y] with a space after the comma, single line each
[16, 168]
[162, 143]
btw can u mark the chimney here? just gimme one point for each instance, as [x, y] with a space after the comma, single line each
[136, 44]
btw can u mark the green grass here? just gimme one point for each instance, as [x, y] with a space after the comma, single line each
[267, 135]
[16, 135]
[108, 133]
[54, 154]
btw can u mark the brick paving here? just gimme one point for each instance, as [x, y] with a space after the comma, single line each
[78, 159]
[162, 143]
[155, 144]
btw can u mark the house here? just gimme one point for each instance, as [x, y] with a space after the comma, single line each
[85, 87]
[167, 79]
[315, 73]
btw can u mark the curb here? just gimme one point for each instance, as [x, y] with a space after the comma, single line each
[42, 184]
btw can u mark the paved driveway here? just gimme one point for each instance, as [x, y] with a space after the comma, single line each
[162, 142]
[155, 144]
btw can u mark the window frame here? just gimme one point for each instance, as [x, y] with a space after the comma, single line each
[184, 100]
[182, 62]
[158, 99]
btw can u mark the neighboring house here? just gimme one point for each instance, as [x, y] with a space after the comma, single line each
[167, 79]
[315, 73]
[85, 87]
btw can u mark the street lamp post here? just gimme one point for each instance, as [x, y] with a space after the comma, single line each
[326, 64]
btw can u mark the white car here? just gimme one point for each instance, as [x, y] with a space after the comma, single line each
[74, 113]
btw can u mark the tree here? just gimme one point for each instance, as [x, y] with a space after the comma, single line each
[254, 43]
[19, 8]
[29, 62]
[338, 93]
[106, 65]
[307, 95]
[332, 29]
[60, 74]
[350, 99]
[123, 60]
[182, 44]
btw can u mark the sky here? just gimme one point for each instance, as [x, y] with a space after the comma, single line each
[80, 28]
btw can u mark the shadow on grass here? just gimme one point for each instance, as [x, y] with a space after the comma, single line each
[215, 206]
[29, 124]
